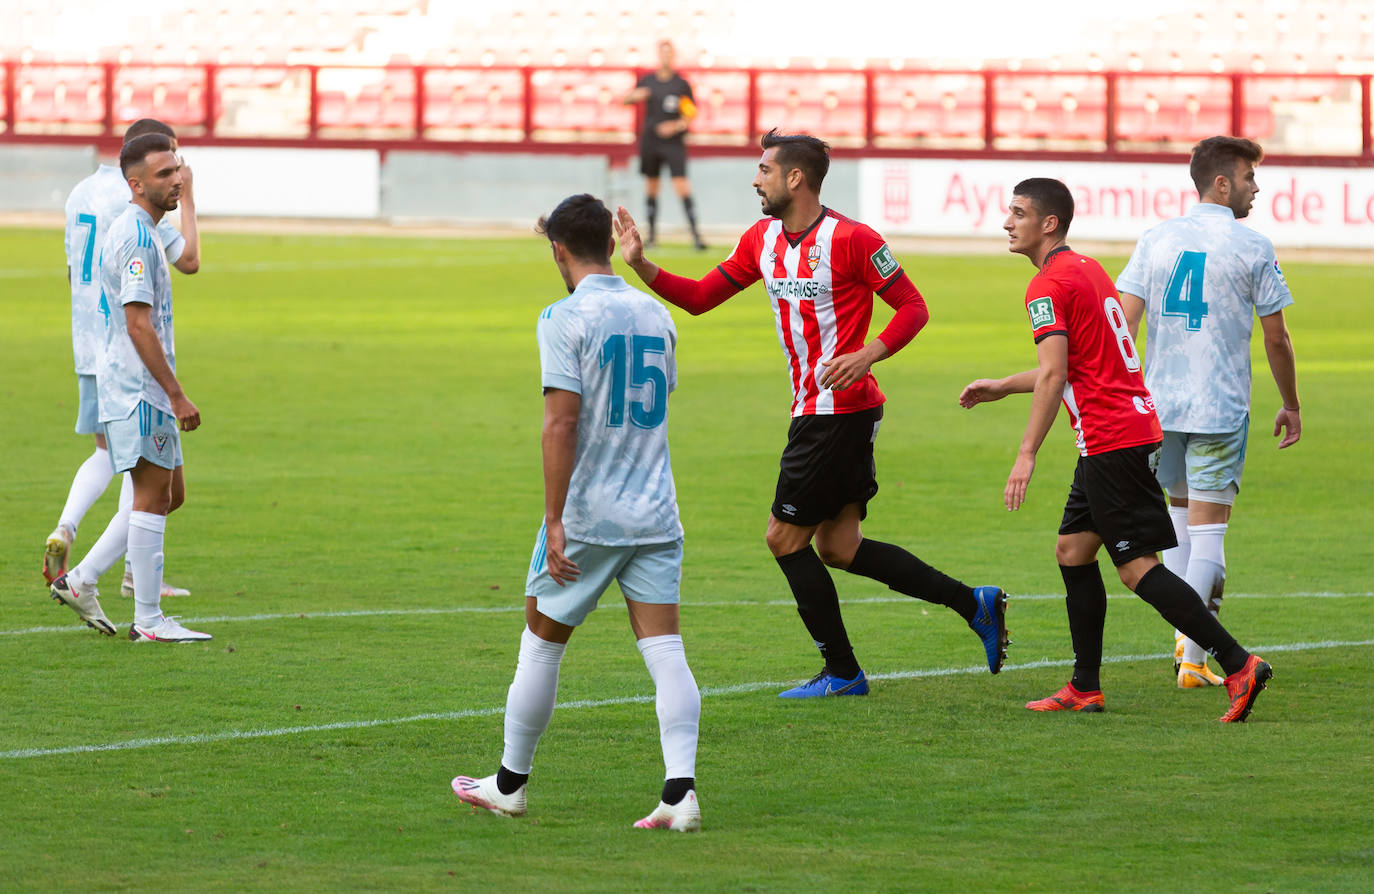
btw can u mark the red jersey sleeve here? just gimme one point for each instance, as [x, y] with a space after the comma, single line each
[1046, 307]
[742, 267]
[873, 262]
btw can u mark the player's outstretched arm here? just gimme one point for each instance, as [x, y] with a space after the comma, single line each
[985, 390]
[632, 245]
[696, 296]
[559, 442]
[1278, 348]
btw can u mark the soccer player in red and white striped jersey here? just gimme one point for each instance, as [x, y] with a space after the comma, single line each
[821, 271]
[1087, 360]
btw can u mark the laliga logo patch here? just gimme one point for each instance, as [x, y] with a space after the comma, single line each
[813, 256]
[136, 268]
[160, 442]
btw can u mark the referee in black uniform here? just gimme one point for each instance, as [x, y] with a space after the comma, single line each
[668, 109]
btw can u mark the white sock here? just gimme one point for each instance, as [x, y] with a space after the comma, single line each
[90, 482]
[1206, 573]
[1176, 559]
[113, 543]
[145, 555]
[529, 702]
[678, 702]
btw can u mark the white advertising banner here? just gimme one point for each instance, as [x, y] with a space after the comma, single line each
[286, 182]
[1297, 207]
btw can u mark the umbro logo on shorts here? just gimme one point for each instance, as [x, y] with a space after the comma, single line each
[789, 508]
[1122, 545]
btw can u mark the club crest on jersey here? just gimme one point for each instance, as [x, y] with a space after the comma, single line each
[1041, 312]
[160, 443]
[883, 261]
[813, 256]
[136, 269]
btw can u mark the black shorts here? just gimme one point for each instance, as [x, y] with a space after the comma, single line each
[655, 152]
[1115, 496]
[828, 464]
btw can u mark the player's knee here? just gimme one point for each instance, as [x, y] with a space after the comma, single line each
[836, 554]
[175, 501]
[1065, 554]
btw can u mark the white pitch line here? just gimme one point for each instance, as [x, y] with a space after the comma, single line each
[616, 604]
[59, 271]
[707, 692]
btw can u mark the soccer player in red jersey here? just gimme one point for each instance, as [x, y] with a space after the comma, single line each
[1088, 360]
[821, 270]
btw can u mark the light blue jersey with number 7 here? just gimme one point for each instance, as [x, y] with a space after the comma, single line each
[616, 347]
[1204, 276]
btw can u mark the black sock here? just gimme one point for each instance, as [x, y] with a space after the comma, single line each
[819, 607]
[1085, 597]
[1181, 606]
[651, 204]
[690, 208]
[675, 790]
[901, 571]
[507, 782]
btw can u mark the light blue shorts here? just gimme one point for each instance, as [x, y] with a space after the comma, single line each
[649, 572]
[87, 406]
[1208, 462]
[147, 433]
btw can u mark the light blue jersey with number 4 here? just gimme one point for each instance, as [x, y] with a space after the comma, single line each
[1204, 276]
[616, 347]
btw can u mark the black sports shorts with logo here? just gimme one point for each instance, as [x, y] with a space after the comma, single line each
[1116, 496]
[654, 152]
[827, 464]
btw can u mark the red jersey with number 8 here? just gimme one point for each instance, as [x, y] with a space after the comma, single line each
[1108, 403]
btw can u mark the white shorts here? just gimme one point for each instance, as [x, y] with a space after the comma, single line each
[147, 433]
[650, 572]
[87, 406]
[1201, 462]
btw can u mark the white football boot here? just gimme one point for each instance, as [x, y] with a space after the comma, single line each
[85, 601]
[166, 630]
[684, 816]
[484, 793]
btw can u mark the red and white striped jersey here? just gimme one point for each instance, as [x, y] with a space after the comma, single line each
[821, 283]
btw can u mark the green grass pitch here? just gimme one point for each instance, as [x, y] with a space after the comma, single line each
[362, 500]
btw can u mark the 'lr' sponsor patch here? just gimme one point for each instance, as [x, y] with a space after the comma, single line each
[1041, 312]
[884, 262]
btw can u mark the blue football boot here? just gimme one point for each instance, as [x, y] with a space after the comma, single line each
[826, 683]
[990, 623]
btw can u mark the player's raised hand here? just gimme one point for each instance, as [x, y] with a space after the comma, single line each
[980, 391]
[188, 416]
[561, 568]
[186, 193]
[1290, 423]
[631, 245]
[1018, 481]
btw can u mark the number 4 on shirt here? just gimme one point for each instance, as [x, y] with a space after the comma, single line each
[1183, 295]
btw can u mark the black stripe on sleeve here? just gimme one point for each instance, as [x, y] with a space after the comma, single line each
[1044, 335]
[887, 285]
[721, 268]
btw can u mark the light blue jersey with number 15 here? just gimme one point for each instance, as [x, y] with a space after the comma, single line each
[1204, 276]
[616, 347]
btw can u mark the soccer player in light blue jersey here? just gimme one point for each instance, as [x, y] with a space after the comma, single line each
[607, 358]
[1200, 280]
[142, 404]
[93, 205]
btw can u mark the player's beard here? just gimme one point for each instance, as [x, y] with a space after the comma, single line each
[775, 207]
[167, 201]
[1242, 210]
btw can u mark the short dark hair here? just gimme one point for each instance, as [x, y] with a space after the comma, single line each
[139, 148]
[582, 225]
[148, 125]
[1219, 155]
[1048, 196]
[808, 154]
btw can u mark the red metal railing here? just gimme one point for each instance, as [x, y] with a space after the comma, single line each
[1320, 118]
